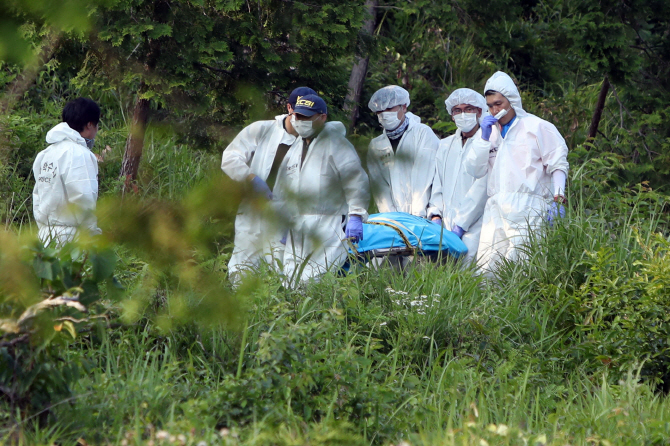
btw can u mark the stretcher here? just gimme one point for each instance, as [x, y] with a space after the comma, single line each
[400, 234]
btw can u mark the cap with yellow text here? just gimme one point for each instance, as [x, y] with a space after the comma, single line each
[298, 93]
[310, 105]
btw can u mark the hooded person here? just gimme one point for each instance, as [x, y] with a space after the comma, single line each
[401, 159]
[66, 176]
[253, 158]
[458, 199]
[525, 158]
[321, 186]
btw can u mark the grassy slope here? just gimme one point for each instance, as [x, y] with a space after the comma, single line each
[355, 360]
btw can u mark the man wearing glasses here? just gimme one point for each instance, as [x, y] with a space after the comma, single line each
[457, 200]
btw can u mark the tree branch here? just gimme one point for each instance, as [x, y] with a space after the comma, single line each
[23, 338]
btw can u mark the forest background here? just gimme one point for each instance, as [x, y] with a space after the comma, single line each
[136, 338]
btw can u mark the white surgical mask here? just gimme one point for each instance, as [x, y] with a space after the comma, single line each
[466, 121]
[389, 120]
[304, 128]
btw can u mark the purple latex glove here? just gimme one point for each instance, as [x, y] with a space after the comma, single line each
[554, 212]
[261, 187]
[354, 228]
[487, 124]
[437, 221]
[458, 231]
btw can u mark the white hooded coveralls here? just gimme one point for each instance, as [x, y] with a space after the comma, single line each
[66, 187]
[401, 181]
[519, 169]
[318, 192]
[457, 196]
[253, 151]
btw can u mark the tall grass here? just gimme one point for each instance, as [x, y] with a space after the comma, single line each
[434, 355]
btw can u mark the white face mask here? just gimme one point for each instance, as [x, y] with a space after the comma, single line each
[466, 121]
[389, 120]
[304, 128]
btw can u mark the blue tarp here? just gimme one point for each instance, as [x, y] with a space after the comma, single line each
[381, 234]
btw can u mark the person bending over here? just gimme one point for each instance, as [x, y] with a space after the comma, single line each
[253, 158]
[323, 187]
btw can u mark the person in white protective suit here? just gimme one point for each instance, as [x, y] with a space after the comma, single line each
[458, 198]
[254, 157]
[66, 176]
[526, 161]
[402, 158]
[322, 185]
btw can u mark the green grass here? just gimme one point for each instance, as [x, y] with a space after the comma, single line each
[434, 356]
[343, 358]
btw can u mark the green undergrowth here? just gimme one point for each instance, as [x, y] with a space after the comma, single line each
[567, 347]
[570, 346]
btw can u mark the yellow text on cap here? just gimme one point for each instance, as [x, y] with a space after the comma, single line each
[304, 102]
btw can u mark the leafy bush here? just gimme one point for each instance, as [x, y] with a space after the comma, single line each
[48, 297]
[622, 321]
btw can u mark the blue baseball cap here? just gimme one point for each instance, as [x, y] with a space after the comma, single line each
[298, 93]
[310, 105]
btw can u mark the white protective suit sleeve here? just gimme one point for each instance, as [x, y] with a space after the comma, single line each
[81, 187]
[472, 206]
[558, 177]
[436, 200]
[380, 193]
[36, 198]
[237, 157]
[429, 144]
[356, 187]
[553, 150]
[477, 159]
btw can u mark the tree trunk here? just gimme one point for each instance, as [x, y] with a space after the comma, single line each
[598, 112]
[135, 142]
[360, 68]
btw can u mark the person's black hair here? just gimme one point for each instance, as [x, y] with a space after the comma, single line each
[79, 112]
[490, 92]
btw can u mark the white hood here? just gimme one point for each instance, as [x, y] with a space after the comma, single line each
[280, 119]
[63, 132]
[336, 126]
[503, 84]
[413, 118]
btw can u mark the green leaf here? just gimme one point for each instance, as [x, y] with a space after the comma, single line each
[103, 265]
[43, 269]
